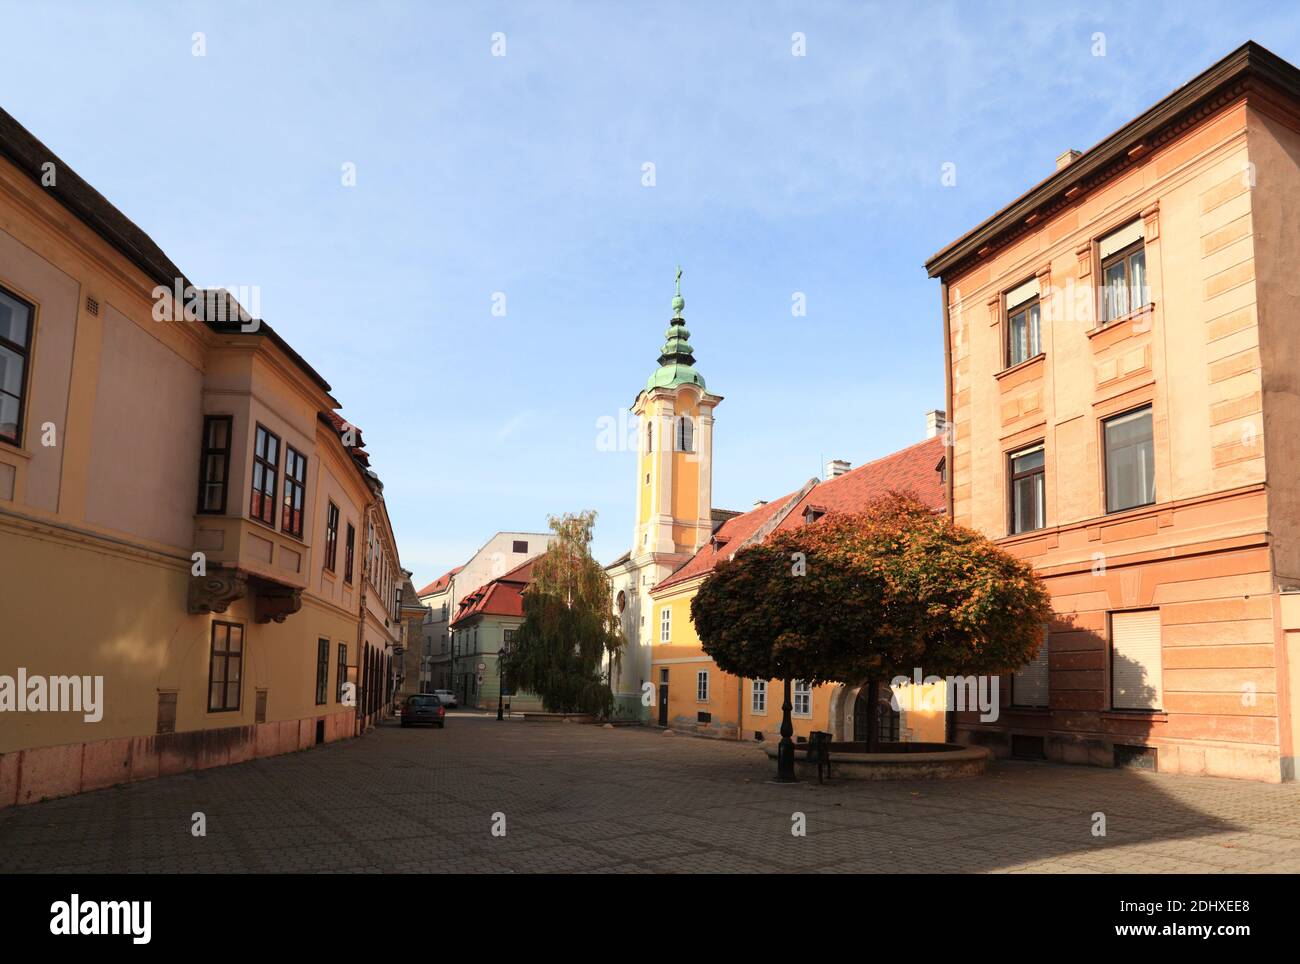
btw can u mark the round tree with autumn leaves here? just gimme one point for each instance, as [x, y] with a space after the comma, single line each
[866, 597]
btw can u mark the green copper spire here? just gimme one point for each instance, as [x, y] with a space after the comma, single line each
[676, 359]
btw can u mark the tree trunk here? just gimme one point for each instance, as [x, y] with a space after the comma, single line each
[785, 749]
[873, 717]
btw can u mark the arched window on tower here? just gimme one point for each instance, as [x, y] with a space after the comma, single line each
[649, 436]
[685, 434]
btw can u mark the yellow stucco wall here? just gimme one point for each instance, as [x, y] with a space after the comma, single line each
[731, 705]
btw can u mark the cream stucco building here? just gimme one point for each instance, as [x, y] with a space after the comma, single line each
[176, 470]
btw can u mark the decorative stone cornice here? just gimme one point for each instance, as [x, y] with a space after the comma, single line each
[1250, 70]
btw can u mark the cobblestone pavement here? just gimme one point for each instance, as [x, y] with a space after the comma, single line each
[584, 798]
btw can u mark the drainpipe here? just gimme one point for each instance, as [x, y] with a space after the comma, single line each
[361, 622]
[950, 721]
[740, 708]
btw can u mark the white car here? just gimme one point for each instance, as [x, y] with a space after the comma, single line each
[447, 696]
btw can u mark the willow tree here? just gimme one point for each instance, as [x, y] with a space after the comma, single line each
[569, 630]
[870, 596]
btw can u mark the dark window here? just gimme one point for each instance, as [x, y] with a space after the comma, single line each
[1130, 461]
[225, 666]
[214, 466]
[331, 536]
[685, 434]
[649, 436]
[1027, 490]
[322, 670]
[1124, 282]
[15, 346]
[349, 553]
[266, 459]
[1023, 332]
[520, 546]
[342, 671]
[295, 487]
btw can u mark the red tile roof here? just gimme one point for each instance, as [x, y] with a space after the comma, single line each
[503, 596]
[340, 425]
[729, 537]
[914, 469]
[439, 584]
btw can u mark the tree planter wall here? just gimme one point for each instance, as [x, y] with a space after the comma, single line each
[894, 761]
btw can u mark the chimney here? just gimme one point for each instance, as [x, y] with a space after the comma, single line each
[1068, 158]
[836, 467]
[759, 503]
[936, 420]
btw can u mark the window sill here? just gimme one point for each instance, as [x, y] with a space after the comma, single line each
[1020, 366]
[1029, 710]
[1026, 533]
[1147, 312]
[9, 448]
[1152, 716]
[1120, 513]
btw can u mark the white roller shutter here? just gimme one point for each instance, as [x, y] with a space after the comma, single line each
[1030, 684]
[1019, 295]
[1119, 240]
[1136, 672]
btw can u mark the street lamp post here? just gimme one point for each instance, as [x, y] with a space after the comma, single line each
[785, 749]
[501, 683]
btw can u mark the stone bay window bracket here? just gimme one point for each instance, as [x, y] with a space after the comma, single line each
[213, 593]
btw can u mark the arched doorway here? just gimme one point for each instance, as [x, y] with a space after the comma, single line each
[888, 721]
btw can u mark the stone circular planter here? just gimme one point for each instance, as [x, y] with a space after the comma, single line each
[893, 761]
[558, 718]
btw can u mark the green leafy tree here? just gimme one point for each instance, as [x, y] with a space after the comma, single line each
[871, 596]
[569, 630]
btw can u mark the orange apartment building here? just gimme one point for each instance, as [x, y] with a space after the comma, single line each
[1122, 349]
[196, 562]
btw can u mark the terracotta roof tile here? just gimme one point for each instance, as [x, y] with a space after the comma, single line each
[439, 584]
[913, 469]
[727, 538]
[503, 596]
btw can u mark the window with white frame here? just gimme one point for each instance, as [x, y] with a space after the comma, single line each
[665, 625]
[702, 686]
[758, 696]
[802, 698]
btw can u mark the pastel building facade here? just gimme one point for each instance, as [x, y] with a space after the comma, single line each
[450, 658]
[674, 491]
[1121, 354]
[693, 695]
[485, 624]
[188, 480]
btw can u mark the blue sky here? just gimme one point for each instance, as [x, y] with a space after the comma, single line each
[522, 174]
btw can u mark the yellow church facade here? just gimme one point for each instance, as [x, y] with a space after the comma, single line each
[666, 678]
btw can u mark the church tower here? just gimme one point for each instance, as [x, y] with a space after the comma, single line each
[674, 491]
